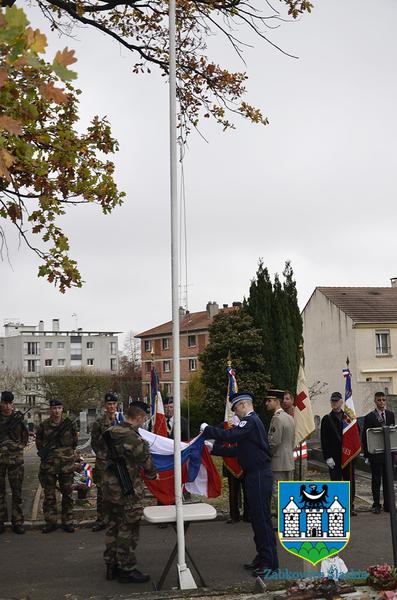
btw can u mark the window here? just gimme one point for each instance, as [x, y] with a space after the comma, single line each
[166, 366]
[148, 345]
[113, 348]
[368, 379]
[48, 362]
[167, 390]
[32, 366]
[113, 364]
[191, 340]
[147, 367]
[382, 342]
[48, 344]
[31, 400]
[90, 345]
[192, 364]
[32, 348]
[90, 361]
[61, 362]
[61, 344]
[166, 343]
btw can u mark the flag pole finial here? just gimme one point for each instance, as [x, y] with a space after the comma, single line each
[229, 359]
[347, 361]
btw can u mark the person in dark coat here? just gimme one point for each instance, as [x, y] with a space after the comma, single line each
[169, 417]
[376, 418]
[331, 445]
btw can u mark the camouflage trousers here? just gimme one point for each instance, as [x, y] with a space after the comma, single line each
[15, 478]
[122, 534]
[98, 477]
[50, 474]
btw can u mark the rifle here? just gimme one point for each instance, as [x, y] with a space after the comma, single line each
[119, 465]
[15, 420]
[60, 430]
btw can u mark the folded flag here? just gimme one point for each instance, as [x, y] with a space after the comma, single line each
[351, 443]
[199, 473]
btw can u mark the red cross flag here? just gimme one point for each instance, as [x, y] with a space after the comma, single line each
[303, 413]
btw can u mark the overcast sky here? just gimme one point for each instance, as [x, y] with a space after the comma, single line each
[317, 186]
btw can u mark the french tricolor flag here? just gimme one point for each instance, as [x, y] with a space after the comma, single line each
[160, 424]
[199, 473]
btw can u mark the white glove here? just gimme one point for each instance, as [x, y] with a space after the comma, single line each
[366, 461]
[330, 462]
[209, 445]
[203, 426]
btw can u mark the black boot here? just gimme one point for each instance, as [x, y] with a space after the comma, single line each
[2, 528]
[68, 528]
[17, 528]
[253, 565]
[49, 527]
[111, 572]
[133, 576]
[98, 526]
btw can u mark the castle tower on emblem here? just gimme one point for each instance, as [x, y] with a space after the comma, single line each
[335, 519]
[314, 518]
[291, 519]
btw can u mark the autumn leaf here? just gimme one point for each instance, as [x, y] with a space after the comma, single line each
[10, 125]
[16, 18]
[3, 76]
[6, 161]
[50, 92]
[66, 57]
[36, 40]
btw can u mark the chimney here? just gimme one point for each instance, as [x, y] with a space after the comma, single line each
[41, 325]
[212, 309]
[393, 282]
[237, 304]
[55, 324]
[225, 306]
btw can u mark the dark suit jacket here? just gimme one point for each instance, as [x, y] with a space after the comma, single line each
[184, 430]
[371, 420]
[331, 438]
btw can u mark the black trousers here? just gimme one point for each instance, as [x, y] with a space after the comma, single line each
[379, 476]
[236, 488]
[346, 474]
[259, 493]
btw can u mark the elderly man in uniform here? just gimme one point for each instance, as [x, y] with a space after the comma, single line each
[56, 441]
[13, 440]
[331, 445]
[253, 453]
[169, 418]
[123, 512]
[376, 418]
[281, 441]
[108, 419]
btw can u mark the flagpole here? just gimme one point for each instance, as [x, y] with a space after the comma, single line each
[186, 580]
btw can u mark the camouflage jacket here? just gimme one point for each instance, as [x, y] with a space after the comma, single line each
[62, 446]
[128, 444]
[97, 442]
[13, 443]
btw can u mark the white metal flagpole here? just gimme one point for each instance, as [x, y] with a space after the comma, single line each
[186, 580]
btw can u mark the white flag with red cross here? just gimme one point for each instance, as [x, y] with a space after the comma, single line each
[303, 413]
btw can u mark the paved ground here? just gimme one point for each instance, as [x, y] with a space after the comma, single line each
[61, 565]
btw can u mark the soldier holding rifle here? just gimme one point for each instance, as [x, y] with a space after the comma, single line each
[13, 439]
[56, 440]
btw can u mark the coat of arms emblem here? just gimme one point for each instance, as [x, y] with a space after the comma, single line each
[314, 518]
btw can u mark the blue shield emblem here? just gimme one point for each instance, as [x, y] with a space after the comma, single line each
[314, 518]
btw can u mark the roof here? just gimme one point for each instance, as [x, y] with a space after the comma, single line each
[365, 304]
[190, 322]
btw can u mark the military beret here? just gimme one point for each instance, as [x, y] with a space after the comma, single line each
[278, 394]
[110, 397]
[335, 396]
[56, 402]
[168, 400]
[238, 397]
[142, 405]
[7, 397]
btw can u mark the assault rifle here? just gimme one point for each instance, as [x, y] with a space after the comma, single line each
[15, 420]
[119, 465]
[54, 437]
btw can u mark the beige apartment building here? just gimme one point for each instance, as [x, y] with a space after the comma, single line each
[358, 323]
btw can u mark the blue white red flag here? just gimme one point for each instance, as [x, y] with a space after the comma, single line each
[351, 443]
[199, 474]
[231, 420]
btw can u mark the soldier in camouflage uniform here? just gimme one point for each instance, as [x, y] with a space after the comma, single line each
[57, 464]
[99, 447]
[123, 513]
[12, 443]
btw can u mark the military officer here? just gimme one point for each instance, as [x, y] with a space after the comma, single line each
[281, 441]
[56, 440]
[123, 512]
[98, 445]
[253, 453]
[13, 439]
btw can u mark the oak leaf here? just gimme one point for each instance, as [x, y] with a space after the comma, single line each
[6, 161]
[50, 92]
[37, 41]
[66, 57]
[3, 76]
[10, 125]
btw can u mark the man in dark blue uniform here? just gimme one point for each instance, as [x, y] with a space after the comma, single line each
[253, 453]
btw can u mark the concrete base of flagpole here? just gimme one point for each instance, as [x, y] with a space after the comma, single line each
[186, 580]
